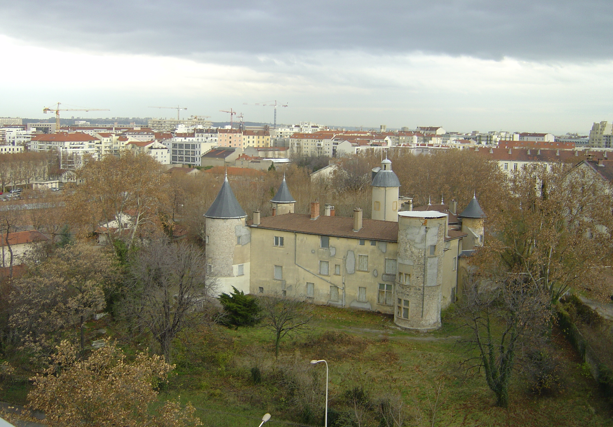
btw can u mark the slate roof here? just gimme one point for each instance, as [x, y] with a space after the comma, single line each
[473, 210]
[385, 178]
[225, 204]
[283, 195]
[335, 226]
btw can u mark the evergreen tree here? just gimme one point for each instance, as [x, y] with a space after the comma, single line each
[240, 309]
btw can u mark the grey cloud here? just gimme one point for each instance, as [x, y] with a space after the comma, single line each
[549, 30]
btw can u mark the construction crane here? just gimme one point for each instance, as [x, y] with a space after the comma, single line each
[57, 110]
[232, 113]
[275, 105]
[174, 108]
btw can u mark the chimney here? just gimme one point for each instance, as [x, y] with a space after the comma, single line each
[453, 208]
[314, 210]
[600, 163]
[509, 151]
[256, 218]
[274, 211]
[357, 219]
[332, 211]
[327, 209]
[557, 152]
[410, 203]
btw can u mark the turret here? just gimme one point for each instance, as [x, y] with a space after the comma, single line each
[227, 242]
[385, 192]
[421, 247]
[473, 219]
[283, 202]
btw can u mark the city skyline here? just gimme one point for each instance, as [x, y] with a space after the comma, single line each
[465, 65]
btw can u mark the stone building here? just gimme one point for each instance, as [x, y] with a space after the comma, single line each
[403, 263]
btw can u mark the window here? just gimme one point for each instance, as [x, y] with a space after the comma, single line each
[373, 243]
[278, 272]
[363, 262]
[385, 296]
[402, 309]
[209, 269]
[284, 293]
[377, 206]
[325, 242]
[432, 250]
[455, 263]
[337, 269]
[324, 268]
[506, 166]
[261, 290]
[390, 266]
[238, 240]
[278, 241]
[361, 294]
[515, 166]
[310, 288]
[240, 270]
[481, 239]
[394, 206]
[333, 293]
[362, 242]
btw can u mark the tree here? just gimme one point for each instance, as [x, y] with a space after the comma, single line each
[166, 285]
[105, 389]
[284, 316]
[60, 292]
[510, 303]
[124, 194]
[240, 309]
[552, 229]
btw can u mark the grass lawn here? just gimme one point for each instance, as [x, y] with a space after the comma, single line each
[233, 379]
[368, 353]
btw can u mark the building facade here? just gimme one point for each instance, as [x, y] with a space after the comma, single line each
[401, 263]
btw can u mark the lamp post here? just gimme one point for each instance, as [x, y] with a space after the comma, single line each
[265, 418]
[315, 362]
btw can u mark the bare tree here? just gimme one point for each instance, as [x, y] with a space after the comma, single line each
[284, 316]
[510, 302]
[166, 287]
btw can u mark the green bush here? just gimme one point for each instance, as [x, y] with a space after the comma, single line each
[239, 309]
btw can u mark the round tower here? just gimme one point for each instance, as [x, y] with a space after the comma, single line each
[473, 220]
[227, 242]
[420, 269]
[283, 202]
[385, 192]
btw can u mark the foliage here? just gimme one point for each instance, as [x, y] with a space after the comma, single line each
[166, 290]
[553, 229]
[122, 194]
[105, 389]
[59, 293]
[240, 309]
[284, 316]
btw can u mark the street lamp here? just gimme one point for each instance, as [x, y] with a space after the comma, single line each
[315, 362]
[265, 418]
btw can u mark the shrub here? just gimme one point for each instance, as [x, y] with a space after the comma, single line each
[240, 309]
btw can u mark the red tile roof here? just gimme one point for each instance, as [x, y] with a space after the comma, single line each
[23, 237]
[335, 226]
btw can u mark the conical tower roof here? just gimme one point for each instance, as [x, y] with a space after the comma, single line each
[283, 195]
[473, 210]
[385, 176]
[225, 204]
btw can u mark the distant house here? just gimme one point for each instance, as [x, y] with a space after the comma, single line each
[18, 243]
[220, 156]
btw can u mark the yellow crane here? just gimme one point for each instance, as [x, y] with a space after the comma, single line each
[57, 110]
[174, 108]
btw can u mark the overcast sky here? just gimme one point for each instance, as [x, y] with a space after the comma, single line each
[539, 65]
